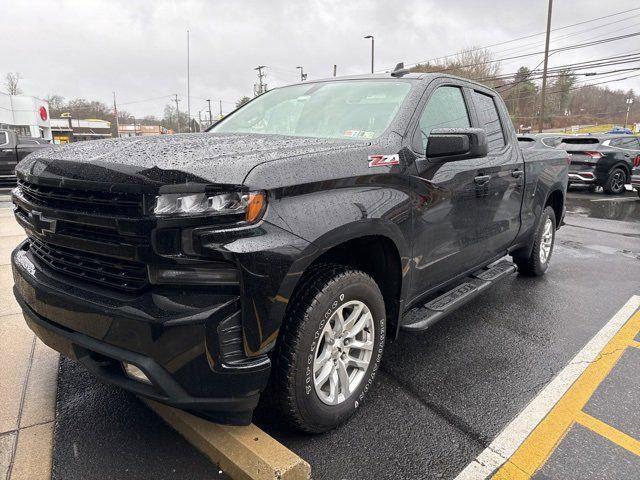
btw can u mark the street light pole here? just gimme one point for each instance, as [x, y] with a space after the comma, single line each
[629, 101]
[188, 89]
[544, 70]
[303, 76]
[372, 50]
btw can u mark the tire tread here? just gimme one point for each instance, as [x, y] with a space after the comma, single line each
[304, 300]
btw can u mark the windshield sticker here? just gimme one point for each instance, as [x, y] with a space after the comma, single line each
[383, 160]
[359, 133]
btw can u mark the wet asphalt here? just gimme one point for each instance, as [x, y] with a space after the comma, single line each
[441, 396]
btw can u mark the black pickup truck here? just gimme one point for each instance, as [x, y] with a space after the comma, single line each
[13, 149]
[279, 251]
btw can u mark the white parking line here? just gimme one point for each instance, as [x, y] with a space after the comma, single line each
[514, 434]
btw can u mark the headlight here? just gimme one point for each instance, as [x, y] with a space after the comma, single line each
[251, 204]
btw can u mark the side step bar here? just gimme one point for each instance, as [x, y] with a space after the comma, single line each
[422, 317]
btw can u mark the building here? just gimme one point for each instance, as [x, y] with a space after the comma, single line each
[138, 130]
[27, 116]
[66, 130]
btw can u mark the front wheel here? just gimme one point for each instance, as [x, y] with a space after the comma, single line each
[330, 348]
[537, 262]
[615, 182]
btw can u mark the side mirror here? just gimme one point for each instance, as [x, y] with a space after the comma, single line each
[452, 144]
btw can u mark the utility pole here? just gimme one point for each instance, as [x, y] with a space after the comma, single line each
[628, 101]
[372, 49]
[220, 108]
[303, 76]
[544, 70]
[115, 113]
[177, 112]
[335, 70]
[188, 81]
[260, 87]
[210, 116]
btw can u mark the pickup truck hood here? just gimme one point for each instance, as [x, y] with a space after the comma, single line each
[209, 158]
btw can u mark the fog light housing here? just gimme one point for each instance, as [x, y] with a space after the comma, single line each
[134, 373]
[212, 274]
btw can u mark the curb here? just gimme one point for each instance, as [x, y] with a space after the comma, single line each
[241, 452]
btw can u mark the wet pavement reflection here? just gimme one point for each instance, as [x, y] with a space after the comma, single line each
[599, 205]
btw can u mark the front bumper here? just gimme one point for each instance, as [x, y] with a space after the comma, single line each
[186, 341]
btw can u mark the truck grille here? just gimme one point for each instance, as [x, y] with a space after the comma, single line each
[107, 271]
[86, 201]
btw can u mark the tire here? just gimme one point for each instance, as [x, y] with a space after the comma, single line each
[534, 265]
[615, 182]
[311, 320]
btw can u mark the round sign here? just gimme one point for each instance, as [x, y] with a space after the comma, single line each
[43, 113]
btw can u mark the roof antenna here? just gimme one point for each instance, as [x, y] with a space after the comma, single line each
[399, 70]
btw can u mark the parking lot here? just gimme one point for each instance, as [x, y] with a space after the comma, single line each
[443, 397]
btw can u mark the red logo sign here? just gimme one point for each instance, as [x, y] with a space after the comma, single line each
[383, 160]
[43, 114]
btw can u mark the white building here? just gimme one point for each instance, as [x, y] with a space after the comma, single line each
[28, 116]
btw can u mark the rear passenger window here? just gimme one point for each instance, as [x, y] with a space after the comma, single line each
[628, 143]
[3, 138]
[445, 109]
[489, 120]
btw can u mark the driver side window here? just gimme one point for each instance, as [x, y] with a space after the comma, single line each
[445, 109]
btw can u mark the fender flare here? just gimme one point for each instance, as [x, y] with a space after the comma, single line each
[316, 248]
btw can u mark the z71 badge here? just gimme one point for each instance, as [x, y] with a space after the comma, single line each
[383, 160]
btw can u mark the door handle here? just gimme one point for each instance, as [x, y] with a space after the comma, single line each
[517, 173]
[482, 179]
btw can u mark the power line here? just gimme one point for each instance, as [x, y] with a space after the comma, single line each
[522, 38]
[560, 49]
[146, 100]
[529, 46]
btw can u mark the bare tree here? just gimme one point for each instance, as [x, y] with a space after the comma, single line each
[11, 81]
[471, 62]
[56, 104]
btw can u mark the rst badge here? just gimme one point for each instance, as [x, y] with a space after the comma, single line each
[383, 160]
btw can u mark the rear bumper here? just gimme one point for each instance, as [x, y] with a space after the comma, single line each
[178, 340]
[582, 177]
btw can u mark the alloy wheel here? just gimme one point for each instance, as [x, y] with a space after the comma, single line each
[344, 352]
[547, 241]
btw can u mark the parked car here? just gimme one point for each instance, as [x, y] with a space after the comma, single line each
[620, 131]
[635, 176]
[12, 150]
[283, 248]
[602, 160]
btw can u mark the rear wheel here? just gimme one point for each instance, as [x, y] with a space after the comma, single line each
[615, 182]
[537, 262]
[330, 348]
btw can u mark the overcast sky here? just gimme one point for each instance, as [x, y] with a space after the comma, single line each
[138, 48]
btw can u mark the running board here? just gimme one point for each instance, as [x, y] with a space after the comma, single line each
[422, 317]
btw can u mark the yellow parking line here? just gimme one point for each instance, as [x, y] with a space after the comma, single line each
[607, 431]
[544, 439]
[635, 344]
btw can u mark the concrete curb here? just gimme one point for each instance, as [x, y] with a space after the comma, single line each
[242, 452]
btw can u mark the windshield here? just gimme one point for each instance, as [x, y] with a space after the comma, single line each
[344, 109]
